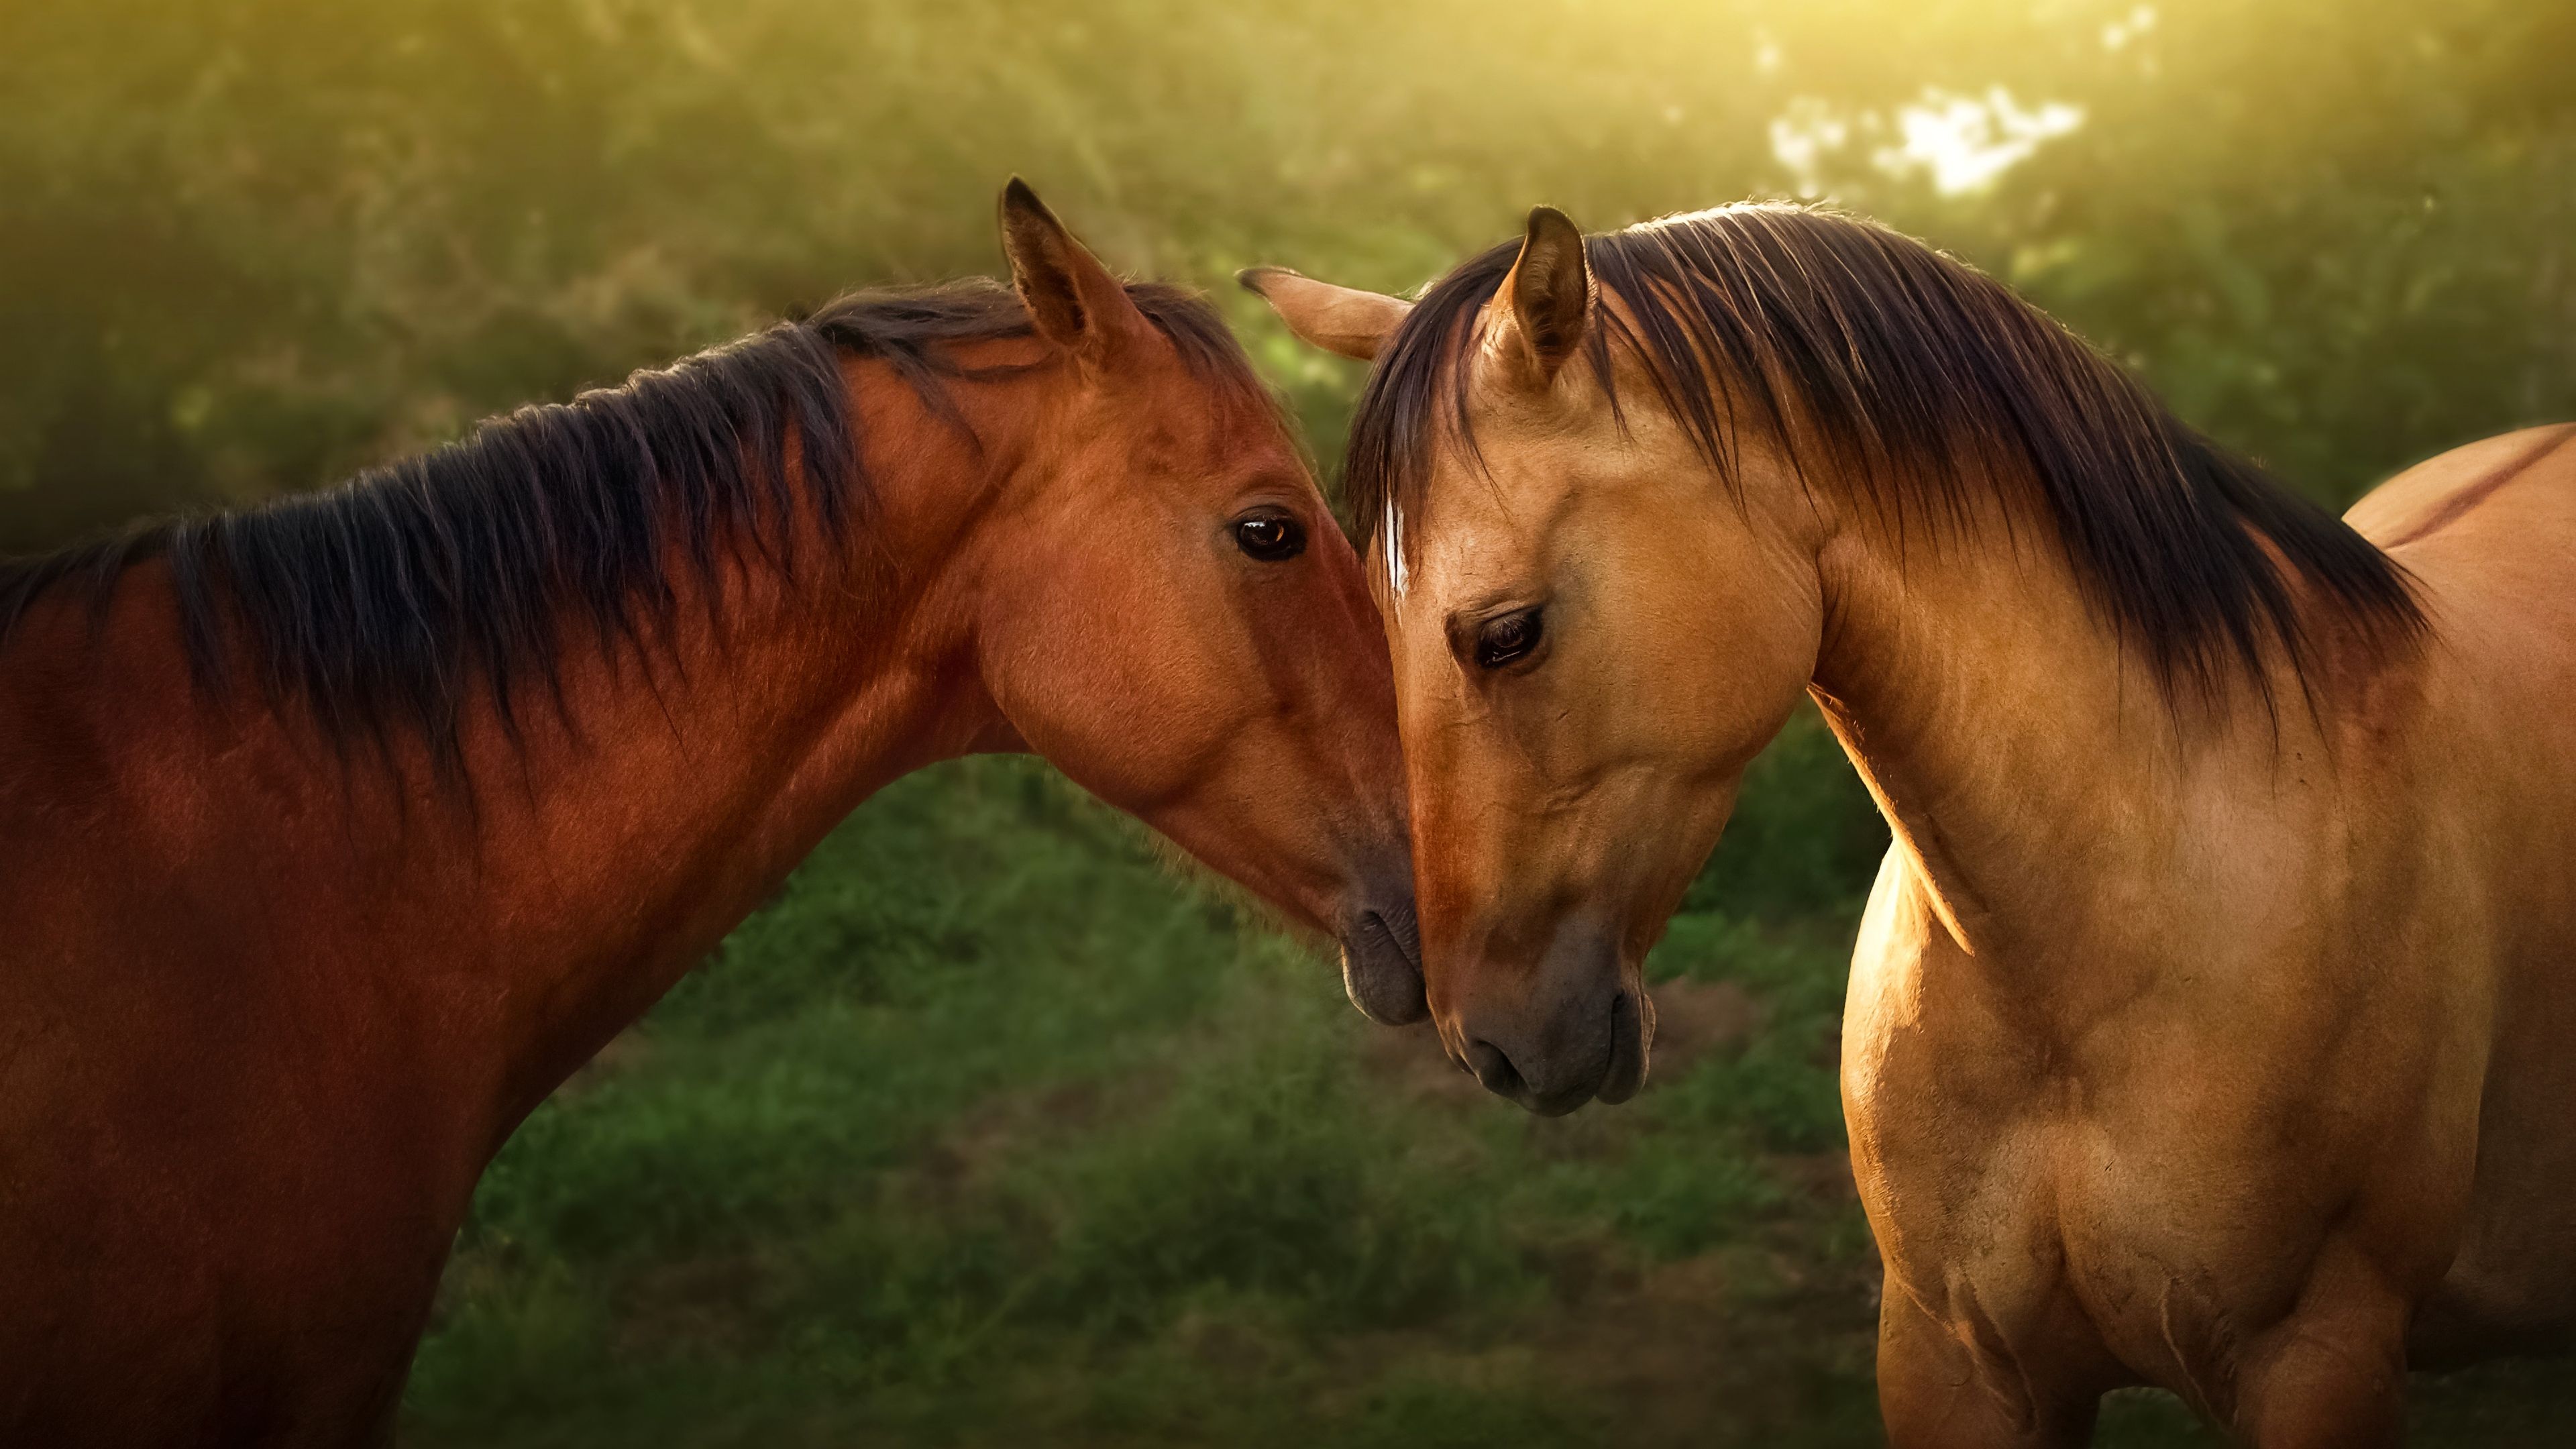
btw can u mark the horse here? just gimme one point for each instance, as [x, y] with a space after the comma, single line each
[2212, 1021]
[340, 831]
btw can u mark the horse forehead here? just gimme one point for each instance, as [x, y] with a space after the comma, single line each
[1205, 431]
[1506, 501]
[1462, 567]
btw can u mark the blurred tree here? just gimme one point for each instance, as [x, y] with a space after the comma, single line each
[248, 247]
[2334, 232]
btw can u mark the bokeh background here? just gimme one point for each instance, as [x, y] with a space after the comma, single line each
[990, 1129]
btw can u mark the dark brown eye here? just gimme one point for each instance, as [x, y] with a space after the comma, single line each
[1511, 637]
[1270, 537]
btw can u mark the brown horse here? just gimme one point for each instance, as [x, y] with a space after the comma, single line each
[338, 833]
[2213, 1022]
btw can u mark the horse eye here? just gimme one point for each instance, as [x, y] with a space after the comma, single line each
[1511, 637]
[1269, 537]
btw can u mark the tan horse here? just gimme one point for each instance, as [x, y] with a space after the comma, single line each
[334, 835]
[2213, 1023]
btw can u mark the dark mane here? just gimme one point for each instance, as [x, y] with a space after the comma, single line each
[387, 602]
[1913, 373]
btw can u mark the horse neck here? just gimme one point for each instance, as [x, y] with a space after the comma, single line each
[688, 804]
[593, 861]
[2038, 784]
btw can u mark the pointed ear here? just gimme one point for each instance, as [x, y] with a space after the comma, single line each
[1344, 320]
[1073, 302]
[1545, 305]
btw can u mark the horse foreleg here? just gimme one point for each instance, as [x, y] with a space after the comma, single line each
[1938, 1388]
[2333, 1374]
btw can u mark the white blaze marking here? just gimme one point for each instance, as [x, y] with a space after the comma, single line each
[1394, 549]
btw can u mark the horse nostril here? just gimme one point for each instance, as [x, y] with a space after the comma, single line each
[1494, 1069]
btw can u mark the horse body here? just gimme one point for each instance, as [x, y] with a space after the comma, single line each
[2491, 531]
[2213, 1017]
[273, 992]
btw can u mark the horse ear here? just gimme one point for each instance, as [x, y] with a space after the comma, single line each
[1073, 301]
[1344, 320]
[1546, 303]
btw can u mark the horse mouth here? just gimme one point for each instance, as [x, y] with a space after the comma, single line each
[1401, 938]
[1382, 967]
[1632, 1039]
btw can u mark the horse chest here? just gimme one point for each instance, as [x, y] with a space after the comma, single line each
[2156, 1192]
[2047, 1233]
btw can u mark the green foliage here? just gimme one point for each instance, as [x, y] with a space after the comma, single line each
[1268, 1178]
[252, 246]
[1688, 1200]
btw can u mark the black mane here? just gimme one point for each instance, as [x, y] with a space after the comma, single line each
[385, 603]
[1913, 372]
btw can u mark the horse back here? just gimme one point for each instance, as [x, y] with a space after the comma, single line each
[2488, 534]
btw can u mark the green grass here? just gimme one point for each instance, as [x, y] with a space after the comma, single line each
[989, 1129]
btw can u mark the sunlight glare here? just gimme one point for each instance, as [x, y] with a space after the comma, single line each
[1967, 142]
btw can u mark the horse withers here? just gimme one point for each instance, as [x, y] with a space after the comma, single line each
[335, 834]
[2213, 1020]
